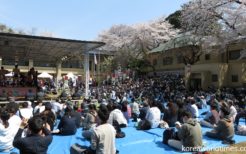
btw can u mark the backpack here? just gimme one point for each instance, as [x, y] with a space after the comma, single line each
[168, 134]
[80, 149]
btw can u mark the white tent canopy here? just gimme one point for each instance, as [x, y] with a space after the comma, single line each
[70, 75]
[45, 75]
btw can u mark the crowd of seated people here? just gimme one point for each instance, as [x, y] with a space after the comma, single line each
[147, 101]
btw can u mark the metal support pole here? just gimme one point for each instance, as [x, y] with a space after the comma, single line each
[58, 74]
[1, 60]
[98, 69]
[87, 73]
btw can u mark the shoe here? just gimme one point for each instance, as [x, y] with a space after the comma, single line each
[228, 141]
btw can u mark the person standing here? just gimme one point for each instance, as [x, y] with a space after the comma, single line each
[16, 76]
[2, 76]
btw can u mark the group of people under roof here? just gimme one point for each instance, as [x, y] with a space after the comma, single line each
[149, 102]
[18, 78]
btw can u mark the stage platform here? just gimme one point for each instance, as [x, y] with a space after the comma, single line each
[18, 93]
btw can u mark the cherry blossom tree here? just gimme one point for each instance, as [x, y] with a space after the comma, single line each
[217, 21]
[134, 41]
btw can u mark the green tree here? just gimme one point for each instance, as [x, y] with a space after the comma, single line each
[174, 19]
[5, 29]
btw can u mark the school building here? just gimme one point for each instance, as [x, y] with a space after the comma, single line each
[217, 69]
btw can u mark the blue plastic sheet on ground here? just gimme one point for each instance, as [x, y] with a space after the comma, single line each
[135, 142]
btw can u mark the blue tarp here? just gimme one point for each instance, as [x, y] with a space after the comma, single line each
[135, 142]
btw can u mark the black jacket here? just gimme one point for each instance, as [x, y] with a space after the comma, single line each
[67, 125]
[33, 144]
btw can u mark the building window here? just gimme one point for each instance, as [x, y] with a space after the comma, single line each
[167, 61]
[207, 56]
[90, 65]
[234, 78]
[180, 59]
[95, 67]
[234, 55]
[43, 64]
[155, 62]
[21, 62]
[214, 78]
[72, 64]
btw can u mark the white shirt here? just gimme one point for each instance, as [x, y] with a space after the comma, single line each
[194, 110]
[113, 95]
[15, 121]
[26, 113]
[6, 137]
[117, 115]
[233, 112]
[41, 109]
[103, 139]
[57, 106]
[154, 116]
[135, 108]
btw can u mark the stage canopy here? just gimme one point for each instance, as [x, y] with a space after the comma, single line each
[40, 48]
[47, 49]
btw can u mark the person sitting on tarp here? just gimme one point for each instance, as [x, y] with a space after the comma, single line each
[116, 115]
[103, 136]
[152, 118]
[89, 123]
[211, 118]
[67, 125]
[171, 114]
[190, 134]
[26, 111]
[39, 107]
[7, 132]
[224, 129]
[241, 114]
[37, 140]
[14, 119]
[135, 110]
[49, 115]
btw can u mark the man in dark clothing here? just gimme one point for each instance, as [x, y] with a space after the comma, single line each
[39, 139]
[241, 114]
[77, 117]
[67, 125]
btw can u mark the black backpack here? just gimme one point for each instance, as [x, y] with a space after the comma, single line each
[80, 149]
[169, 133]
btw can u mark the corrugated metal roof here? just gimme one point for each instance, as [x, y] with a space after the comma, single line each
[182, 40]
[42, 48]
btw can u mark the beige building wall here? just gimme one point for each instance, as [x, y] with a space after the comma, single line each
[213, 69]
